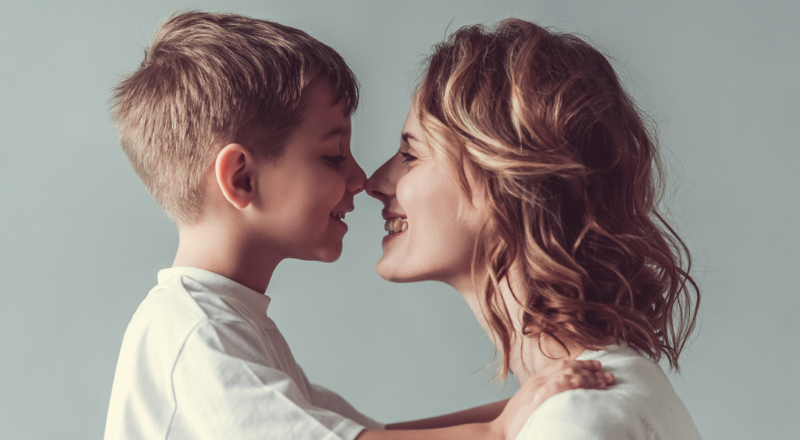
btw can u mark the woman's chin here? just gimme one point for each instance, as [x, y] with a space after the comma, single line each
[385, 269]
[392, 271]
[395, 272]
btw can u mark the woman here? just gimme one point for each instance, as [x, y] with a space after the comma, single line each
[528, 180]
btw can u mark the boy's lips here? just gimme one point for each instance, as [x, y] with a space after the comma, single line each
[338, 217]
[338, 214]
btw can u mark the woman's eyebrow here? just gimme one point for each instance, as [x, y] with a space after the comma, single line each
[406, 136]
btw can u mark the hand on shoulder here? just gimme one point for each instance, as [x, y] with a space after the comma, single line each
[559, 377]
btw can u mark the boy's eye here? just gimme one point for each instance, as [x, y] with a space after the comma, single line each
[408, 157]
[334, 160]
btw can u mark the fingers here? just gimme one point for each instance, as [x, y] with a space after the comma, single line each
[591, 380]
[566, 375]
[581, 379]
[559, 377]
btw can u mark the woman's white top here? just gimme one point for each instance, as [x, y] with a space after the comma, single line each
[641, 405]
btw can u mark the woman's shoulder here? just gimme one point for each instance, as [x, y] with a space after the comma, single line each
[586, 415]
[641, 405]
[636, 375]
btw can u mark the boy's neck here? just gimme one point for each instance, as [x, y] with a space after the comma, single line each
[227, 252]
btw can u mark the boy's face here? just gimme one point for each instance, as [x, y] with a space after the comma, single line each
[305, 194]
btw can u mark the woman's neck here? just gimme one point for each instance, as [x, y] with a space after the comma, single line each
[528, 355]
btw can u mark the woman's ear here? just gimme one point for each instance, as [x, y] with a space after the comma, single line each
[235, 174]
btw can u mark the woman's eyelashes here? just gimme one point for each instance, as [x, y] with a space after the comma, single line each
[334, 160]
[408, 157]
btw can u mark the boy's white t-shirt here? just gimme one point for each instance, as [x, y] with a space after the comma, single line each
[202, 360]
[641, 405]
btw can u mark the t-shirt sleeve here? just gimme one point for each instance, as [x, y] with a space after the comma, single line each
[325, 398]
[224, 388]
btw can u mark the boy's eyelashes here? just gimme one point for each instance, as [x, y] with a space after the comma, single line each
[407, 157]
[334, 160]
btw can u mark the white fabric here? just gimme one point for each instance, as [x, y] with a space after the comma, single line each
[642, 405]
[201, 360]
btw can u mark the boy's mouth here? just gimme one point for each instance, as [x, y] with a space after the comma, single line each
[395, 225]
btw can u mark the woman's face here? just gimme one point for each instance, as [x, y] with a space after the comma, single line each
[431, 224]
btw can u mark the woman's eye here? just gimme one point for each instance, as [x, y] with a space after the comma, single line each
[408, 157]
[334, 160]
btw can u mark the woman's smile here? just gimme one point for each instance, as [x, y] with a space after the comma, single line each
[430, 223]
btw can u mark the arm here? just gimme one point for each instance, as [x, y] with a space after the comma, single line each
[469, 431]
[505, 418]
[479, 414]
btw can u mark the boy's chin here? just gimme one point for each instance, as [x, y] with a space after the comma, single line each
[327, 255]
[329, 259]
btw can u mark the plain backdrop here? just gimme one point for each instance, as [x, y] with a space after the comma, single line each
[81, 240]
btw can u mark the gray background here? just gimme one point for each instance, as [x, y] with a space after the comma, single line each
[81, 240]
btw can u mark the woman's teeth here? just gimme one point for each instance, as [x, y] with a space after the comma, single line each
[338, 215]
[395, 225]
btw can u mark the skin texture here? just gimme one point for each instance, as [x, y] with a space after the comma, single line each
[259, 211]
[442, 222]
[438, 245]
[316, 175]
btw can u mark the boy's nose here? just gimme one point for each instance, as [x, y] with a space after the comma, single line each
[357, 180]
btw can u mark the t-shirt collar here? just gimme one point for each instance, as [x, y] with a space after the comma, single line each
[218, 284]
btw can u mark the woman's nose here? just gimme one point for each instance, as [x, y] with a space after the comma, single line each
[381, 184]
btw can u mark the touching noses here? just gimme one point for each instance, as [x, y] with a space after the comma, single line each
[356, 180]
[382, 182]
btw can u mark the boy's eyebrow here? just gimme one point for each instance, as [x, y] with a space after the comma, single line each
[336, 131]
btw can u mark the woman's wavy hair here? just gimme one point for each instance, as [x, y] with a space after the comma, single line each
[572, 179]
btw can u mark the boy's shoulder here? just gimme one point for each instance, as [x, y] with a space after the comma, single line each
[189, 302]
[185, 297]
[200, 356]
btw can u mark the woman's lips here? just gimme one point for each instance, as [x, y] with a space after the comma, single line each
[396, 222]
[395, 225]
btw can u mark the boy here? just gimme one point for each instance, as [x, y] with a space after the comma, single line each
[240, 129]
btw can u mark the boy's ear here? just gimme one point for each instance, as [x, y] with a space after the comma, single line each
[235, 173]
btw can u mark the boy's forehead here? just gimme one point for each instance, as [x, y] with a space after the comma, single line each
[324, 117]
[342, 130]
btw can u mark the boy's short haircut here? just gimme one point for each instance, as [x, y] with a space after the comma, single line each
[211, 79]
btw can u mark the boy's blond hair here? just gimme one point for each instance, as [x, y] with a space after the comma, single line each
[211, 79]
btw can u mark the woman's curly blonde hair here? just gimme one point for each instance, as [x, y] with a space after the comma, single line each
[572, 178]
